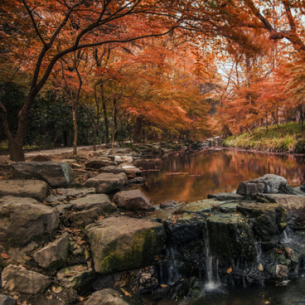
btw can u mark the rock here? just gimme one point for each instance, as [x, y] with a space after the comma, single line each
[54, 255]
[268, 219]
[231, 237]
[76, 277]
[168, 204]
[294, 206]
[110, 296]
[269, 183]
[100, 201]
[114, 145]
[187, 291]
[24, 281]
[200, 207]
[229, 207]
[123, 151]
[24, 188]
[70, 161]
[22, 219]
[133, 200]
[55, 200]
[131, 171]
[6, 300]
[225, 196]
[83, 218]
[185, 229]
[138, 180]
[121, 243]
[76, 192]
[54, 173]
[111, 169]
[97, 163]
[107, 182]
[41, 158]
[105, 281]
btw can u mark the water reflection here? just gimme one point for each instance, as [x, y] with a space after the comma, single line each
[190, 177]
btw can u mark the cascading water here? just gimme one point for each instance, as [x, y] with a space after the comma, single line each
[211, 265]
[286, 235]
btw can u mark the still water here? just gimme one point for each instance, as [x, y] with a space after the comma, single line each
[191, 177]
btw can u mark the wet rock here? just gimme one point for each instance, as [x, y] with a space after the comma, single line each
[225, 196]
[121, 243]
[54, 173]
[111, 296]
[269, 183]
[131, 171]
[77, 277]
[269, 220]
[200, 207]
[20, 280]
[187, 291]
[22, 219]
[111, 169]
[185, 228]
[24, 188]
[107, 182]
[76, 192]
[54, 255]
[6, 300]
[133, 200]
[231, 237]
[230, 207]
[140, 281]
[168, 204]
[98, 163]
[294, 206]
[137, 180]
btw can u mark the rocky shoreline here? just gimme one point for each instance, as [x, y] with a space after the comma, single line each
[72, 232]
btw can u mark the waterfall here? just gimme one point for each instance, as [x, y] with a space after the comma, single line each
[286, 236]
[211, 265]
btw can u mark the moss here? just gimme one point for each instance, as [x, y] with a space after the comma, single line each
[287, 137]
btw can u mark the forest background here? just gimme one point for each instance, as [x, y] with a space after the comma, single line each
[78, 72]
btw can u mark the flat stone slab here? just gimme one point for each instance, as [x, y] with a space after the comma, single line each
[122, 243]
[107, 182]
[226, 196]
[54, 173]
[24, 188]
[98, 163]
[201, 206]
[22, 219]
[100, 201]
[20, 280]
[75, 192]
[111, 169]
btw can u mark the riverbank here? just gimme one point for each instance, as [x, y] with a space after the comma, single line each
[287, 138]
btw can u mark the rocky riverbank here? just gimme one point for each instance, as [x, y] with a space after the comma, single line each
[65, 239]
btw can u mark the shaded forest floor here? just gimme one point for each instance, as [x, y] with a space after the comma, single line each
[285, 138]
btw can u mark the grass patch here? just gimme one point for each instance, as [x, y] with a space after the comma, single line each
[287, 138]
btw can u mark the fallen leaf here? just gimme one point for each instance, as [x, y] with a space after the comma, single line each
[260, 267]
[125, 292]
[229, 270]
[163, 285]
[56, 289]
[5, 256]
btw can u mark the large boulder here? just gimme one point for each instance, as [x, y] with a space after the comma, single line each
[6, 300]
[107, 182]
[121, 243]
[231, 237]
[24, 281]
[24, 188]
[271, 184]
[54, 255]
[225, 196]
[294, 206]
[111, 169]
[54, 173]
[22, 219]
[110, 296]
[131, 171]
[132, 200]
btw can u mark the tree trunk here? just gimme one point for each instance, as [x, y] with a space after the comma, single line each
[94, 138]
[115, 120]
[106, 123]
[75, 133]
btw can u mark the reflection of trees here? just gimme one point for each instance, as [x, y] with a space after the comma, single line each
[218, 172]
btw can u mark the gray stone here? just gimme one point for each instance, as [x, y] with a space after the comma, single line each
[269, 183]
[54, 200]
[107, 183]
[83, 218]
[6, 300]
[137, 180]
[76, 277]
[76, 192]
[121, 243]
[54, 255]
[168, 204]
[132, 200]
[131, 171]
[24, 188]
[98, 163]
[226, 196]
[24, 281]
[54, 173]
[22, 219]
[111, 169]
[110, 296]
